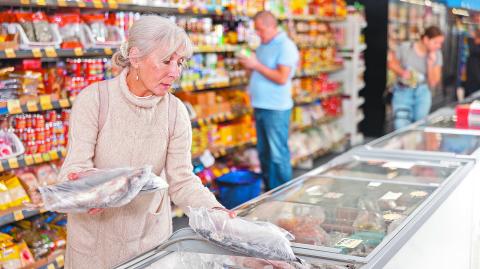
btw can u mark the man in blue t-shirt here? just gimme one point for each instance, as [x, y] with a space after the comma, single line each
[273, 67]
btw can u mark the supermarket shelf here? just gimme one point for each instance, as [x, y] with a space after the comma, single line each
[218, 152]
[28, 160]
[111, 5]
[17, 213]
[310, 100]
[319, 153]
[43, 103]
[51, 52]
[221, 117]
[54, 261]
[312, 18]
[323, 120]
[199, 86]
[309, 73]
[314, 46]
[361, 48]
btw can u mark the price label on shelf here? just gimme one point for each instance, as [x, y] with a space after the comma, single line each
[25, 2]
[14, 107]
[41, 2]
[54, 155]
[112, 4]
[10, 53]
[78, 51]
[29, 160]
[61, 3]
[46, 102]
[204, 11]
[51, 266]
[38, 158]
[32, 106]
[218, 11]
[46, 157]
[181, 10]
[60, 261]
[195, 10]
[18, 215]
[64, 103]
[37, 53]
[13, 163]
[97, 4]
[63, 152]
[108, 51]
[51, 52]
[80, 3]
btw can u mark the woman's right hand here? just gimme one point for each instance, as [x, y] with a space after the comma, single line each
[76, 176]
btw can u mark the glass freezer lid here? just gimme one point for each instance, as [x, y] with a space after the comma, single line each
[192, 260]
[339, 216]
[399, 170]
[431, 140]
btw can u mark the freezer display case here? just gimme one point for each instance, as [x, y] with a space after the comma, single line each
[451, 143]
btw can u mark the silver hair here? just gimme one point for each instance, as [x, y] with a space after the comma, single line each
[151, 32]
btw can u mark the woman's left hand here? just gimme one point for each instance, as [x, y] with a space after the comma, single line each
[231, 214]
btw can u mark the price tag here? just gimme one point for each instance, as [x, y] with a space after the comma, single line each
[64, 103]
[32, 106]
[200, 85]
[14, 107]
[97, 4]
[38, 158]
[18, 215]
[46, 102]
[54, 155]
[391, 196]
[374, 184]
[207, 159]
[80, 3]
[51, 52]
[112, 4]
[181, 10]
[46, 157]
[13, 163]
[218, 11]
[348, 243]
[37, 53]
[108, 51]
[61, 3]
[78, 51]
[204, 11]
[60, 261]
[201, 122]
[63, 152]
[10, 53]
[51, 266]
[29, 160]
[25, 2]
[41, 2]
[195, 10]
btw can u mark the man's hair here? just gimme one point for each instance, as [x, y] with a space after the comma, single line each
[266, 17]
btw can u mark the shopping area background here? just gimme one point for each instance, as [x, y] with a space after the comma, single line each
[50, 50]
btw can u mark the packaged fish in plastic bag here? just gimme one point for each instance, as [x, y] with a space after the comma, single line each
[97, 189]
[253, 238]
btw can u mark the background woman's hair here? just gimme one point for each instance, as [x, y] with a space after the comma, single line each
[432, 32]
[149, 33]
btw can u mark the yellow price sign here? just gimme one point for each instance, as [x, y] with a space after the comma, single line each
[112, 4]
[25, 2]
[32, 106]
[195, 10]
[18, 215]
[37, 53]
[60, 261]
[80, 3]
[63, 152]
[97, 4]
[29, 160]
[13, 163]
[181, 10]
[14, 106]
[61, 3]
[204, 11]
[78, 51]
[41, 2]
[38, 158]
[46, 102]
[46, 157]
[218, 11]
[108, 51]
[10, 53]
[51, 52]
[64, 103]
[54, 155]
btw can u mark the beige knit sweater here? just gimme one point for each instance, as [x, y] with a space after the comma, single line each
[135, 134]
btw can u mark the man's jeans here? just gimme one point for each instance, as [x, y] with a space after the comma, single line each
[272, 145]
[410, 104]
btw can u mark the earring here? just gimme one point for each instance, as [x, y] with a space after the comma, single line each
[136, 76]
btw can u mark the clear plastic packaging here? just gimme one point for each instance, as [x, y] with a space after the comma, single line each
[252, 238]
[96, 189]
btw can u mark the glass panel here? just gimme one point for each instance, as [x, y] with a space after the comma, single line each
[344, 216]
[443, 122]
[398, 170]
[432, 141]
[189, 260]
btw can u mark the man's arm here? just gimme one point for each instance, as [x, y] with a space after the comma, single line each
[279, 75]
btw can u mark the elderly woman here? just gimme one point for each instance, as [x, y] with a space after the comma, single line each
[131, 121]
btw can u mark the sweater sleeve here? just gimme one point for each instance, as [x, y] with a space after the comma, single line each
[82, 135]
[185, 189]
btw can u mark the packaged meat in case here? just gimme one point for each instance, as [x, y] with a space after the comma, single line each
[35, 30]
[101, 31]
[96, 188]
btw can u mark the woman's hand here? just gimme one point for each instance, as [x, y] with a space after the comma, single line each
[231, 214]
[76, 176]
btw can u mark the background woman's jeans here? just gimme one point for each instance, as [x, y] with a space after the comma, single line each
[410, 104]
[272, 145]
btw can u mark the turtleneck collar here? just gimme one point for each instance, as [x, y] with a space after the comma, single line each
[144, 102]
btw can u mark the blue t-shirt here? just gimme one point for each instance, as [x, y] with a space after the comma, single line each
[265, 93]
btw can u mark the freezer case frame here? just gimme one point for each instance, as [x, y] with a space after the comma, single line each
[396, 239]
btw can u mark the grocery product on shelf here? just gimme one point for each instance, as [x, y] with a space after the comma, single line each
[307, 89]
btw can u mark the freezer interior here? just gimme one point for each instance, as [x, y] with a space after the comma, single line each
[194, 260]
[430, 140]
[390, 169]
[350, 217]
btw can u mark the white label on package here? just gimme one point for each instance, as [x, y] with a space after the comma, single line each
[207, 159]
[391, 196]
[374, 184]
[399, 165]
[348, 243]
[333, 195]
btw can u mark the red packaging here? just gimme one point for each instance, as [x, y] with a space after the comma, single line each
[468, 116]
